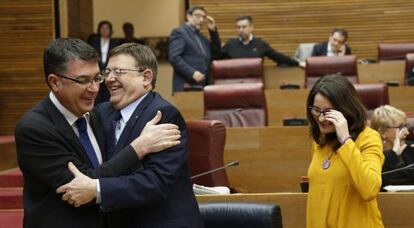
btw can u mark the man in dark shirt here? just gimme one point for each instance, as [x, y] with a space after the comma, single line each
[336, 46]
[248, 46]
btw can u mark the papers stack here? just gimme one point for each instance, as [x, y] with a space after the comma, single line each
[203, 190]
[399, 188]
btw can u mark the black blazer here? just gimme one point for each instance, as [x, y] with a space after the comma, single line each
[159, 193]
[321, 49]
[45, 143]
[186, 57]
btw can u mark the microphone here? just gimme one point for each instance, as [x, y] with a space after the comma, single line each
[233, 163]
[410, 166]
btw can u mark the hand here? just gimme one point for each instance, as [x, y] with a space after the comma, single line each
[211, 23]
[399, 144]
[341, 50]
[302, 64]
[155, 138]
[198, 76]
[341, 125]
[80, 190]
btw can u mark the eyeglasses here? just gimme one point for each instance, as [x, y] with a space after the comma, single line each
[197, 15]
[318, 112]
[402, 126]
[84, 80]
[117, 72]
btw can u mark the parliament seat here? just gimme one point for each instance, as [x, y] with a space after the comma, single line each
[304, 51]
[409, 69]
[239, 70]
[236, 105]
[319, 66]
[395, 51]
[410, 122]
[373, 95]
[206, 140]
[241, 215]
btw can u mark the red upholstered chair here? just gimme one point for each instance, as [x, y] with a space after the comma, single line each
[373, 95]
[241, 70]
[409, 67]
[236, 105]
[319, 66]
[394, 51]
[206, 139]
[410, 122]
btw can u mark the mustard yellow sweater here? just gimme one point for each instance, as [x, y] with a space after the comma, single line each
[344, 195]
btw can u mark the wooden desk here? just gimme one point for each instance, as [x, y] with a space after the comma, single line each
[272, 159]
[396, 208]
[282, 103]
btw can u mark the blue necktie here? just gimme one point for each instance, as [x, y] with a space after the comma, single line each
[86, 142]
[114, 124]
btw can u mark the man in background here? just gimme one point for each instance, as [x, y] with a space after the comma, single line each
[129, 37]
[189, 51]
[336, 46]
[246, 45]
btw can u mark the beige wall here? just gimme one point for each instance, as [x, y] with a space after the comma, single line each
[149, 17]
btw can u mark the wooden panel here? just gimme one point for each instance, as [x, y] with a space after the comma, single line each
[26, 27]
[396, 208]
[80, 18]
[285, 24]
[272, 159]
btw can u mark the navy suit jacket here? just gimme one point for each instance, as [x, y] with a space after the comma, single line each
[186, 57]
[159, 193]
[45, 143]
[321, 49]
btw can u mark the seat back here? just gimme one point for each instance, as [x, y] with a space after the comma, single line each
[318, 66]
[409, 69]
[410, 122]
[394, 51]
[241, 215]
[239, 70]
[373, 95]
[304, 51]
[236, 105]
[206, 140]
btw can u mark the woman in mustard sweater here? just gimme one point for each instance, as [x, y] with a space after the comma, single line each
[345, 170]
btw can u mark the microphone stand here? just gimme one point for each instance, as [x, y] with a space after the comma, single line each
[233, 163]
[410, 166]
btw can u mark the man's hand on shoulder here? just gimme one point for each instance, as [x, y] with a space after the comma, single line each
[155, 138]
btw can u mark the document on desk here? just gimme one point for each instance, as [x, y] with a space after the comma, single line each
[399, 188]
[203, 190]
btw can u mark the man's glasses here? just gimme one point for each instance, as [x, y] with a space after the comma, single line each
[318, 112]
[84, 80]
[400, 127]
[199, 16]
[117, 72]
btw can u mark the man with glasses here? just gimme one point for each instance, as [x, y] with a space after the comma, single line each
[61, 129]
[189, 51]
[158, 192]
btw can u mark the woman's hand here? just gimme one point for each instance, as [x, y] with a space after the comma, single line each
[341, 125]
[399, 144]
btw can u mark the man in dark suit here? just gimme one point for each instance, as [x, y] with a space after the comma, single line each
[47, 138]
[336, 46]
[159, 193]
[189, 51]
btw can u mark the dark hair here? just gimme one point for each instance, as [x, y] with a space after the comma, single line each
[341, 31]
[102, 23]
[193, 8]
[343, 96]
[63, 50]
[143, 55]
[127, 25]
[244, 17]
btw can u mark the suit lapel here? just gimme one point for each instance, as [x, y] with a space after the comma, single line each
[133, 124]
[99, 135]
[190, 35]
[59, 120]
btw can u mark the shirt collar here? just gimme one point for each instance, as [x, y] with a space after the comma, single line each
[250, 39]
[127, 112]
[69, 116]
[329, 51]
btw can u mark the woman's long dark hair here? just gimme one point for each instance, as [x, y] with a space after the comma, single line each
[343, 96]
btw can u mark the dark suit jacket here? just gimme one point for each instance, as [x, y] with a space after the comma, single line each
[45, 143]
[95, 42]
[186, 57]
[321, 49]
[159, 193]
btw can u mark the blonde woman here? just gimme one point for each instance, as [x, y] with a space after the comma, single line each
[391, 123]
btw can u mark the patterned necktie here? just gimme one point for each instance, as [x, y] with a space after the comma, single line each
[86, 142]
[114, 125]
